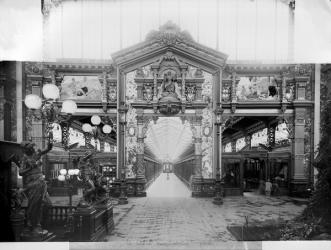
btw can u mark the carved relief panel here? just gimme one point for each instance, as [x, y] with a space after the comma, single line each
[168, 77]
[207, 143]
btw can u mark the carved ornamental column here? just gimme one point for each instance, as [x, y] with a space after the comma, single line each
[33, 119]
[298, 144]
[300, 170]
[139, 79]
[141, 179]
[197, 135]
[198, 85]
[121, 122]
[155, 69]
[183, 71]
[197, 179]
[234, 98]
[218, 129]
[104, 91]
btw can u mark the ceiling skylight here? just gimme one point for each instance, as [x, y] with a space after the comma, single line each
[169, 138]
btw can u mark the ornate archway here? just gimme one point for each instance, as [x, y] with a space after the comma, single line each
[167, 75]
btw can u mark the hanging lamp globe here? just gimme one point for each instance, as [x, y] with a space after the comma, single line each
[63, 171]
[51, 91]
[96, 120]
[87, 128]
[69, 107]
[106, 129]
[33, 101]
[71, 172]
[61, 177]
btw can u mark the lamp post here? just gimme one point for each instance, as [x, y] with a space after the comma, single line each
[50, 111]
[67, 176]
[123, 199]
[218, 199]
[87, 129]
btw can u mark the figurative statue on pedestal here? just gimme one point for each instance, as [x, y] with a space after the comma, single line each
[34, 187]
[169, 88]
[169, 95]
[85, 165]
[93, 191]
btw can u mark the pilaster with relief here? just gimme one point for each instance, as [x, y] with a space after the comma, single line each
[33, 126]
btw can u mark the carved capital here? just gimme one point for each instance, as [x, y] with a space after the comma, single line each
[33, 68]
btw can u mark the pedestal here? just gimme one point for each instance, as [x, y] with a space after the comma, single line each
[140, 187]
[84, 223]
[196, 186]
[17, 223]
[108, 219]
[218, 199]
[123, 199]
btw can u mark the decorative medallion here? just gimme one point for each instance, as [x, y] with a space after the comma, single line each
[207, 131]
[131, 131]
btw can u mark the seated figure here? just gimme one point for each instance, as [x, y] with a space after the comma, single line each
[169, 88]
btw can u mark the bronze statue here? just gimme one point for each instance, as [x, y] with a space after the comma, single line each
[85, 166]
[34, 185]
[93, 191]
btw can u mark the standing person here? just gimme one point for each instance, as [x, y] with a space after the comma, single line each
[268, 186]
[275, 188]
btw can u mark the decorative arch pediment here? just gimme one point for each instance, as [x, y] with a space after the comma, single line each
[169, 42]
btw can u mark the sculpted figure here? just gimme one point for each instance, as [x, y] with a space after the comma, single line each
[34, 185]
[86, 172]
[169, 87]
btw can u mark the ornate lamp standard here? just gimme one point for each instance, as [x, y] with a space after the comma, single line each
[123, 199]
[50, 111]
[67, 177]
[93, 130]
[218, 200]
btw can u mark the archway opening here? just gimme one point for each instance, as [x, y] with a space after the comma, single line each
[169, 140]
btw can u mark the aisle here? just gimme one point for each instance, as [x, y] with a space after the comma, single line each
[178, 222]
[168, 187]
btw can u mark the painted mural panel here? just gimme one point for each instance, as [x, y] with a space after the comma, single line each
[228, 148]
[81, 88]
[281, 134]
[76, 136]
[257, 88]
[260, 137]
[240, 143]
